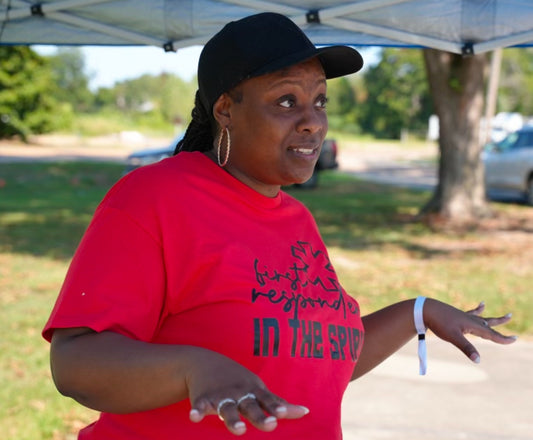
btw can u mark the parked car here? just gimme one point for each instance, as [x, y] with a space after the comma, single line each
[326, 161]
[509, 164]
[150, 155]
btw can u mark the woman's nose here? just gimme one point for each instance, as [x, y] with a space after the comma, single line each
[312, 120]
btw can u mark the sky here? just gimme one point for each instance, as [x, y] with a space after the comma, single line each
[106, 65]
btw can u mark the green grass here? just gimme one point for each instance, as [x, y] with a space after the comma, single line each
[111, 122]
[44, 210]
[380, 254]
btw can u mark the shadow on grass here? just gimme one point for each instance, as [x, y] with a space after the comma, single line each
[355, 214]
[46, 207]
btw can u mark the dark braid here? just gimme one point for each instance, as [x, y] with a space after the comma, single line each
[199, 133]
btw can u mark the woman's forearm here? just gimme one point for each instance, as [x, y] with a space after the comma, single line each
[386, 331]
[113, 373]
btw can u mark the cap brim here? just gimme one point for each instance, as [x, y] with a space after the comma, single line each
[339, 60]
[336, 61]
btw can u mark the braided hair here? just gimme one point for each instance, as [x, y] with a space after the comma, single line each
[199, 134]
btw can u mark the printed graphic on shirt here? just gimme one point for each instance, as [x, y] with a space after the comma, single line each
[309, 282]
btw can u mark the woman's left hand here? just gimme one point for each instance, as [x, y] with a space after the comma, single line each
[451, 325]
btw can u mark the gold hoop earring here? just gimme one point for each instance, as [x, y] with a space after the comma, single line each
[228, 147]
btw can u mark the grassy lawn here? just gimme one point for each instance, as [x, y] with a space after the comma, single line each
[380, 253]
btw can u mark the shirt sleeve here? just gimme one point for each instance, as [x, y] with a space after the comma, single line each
[116, 280]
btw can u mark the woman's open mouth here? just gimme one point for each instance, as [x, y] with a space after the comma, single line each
[305, 152]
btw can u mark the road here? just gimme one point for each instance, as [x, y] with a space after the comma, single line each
[456, 400]
[415, 169]
[10, 153]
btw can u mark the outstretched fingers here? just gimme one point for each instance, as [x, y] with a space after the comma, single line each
[453, 325]
[260, 408]
[483, 327]
[478, 310]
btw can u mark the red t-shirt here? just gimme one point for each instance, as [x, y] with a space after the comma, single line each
[181, 252]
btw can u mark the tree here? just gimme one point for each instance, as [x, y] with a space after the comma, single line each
[341, 97]
[103, 98]
[342, 106]
[27, 102]
[457, 87]
[168, 95]
[516, 81]
[176, 99]
[397, 94]
[68, 69]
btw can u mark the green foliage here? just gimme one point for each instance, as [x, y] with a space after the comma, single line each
[516, 81]
[343, 111]
[165, 94]
[109, 121]
[397, 94]
[27, 101]
[43, 94]
[341, 97]
[72, 84]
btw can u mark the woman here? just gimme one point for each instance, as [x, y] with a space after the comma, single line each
[201, 289]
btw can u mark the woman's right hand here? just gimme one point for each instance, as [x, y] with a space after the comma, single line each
[219, 386]
[113, 373]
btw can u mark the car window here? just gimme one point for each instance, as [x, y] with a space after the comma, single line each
[508, 142]
[522, 140]
[529, 140]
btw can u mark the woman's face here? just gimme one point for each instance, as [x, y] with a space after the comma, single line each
[277, 127]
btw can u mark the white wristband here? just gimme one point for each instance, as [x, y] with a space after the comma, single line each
[421, 330]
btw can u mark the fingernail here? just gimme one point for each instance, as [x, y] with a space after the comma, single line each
[514, 337]
[239, 425]
[305, 409]
[475, 358]
[281, 410]
[508, 315]
[270, 420]
[194, 415]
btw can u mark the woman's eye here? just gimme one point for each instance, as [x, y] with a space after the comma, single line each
[321, 102]
[286, 102]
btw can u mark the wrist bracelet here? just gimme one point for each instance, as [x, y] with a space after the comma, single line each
[421, 330]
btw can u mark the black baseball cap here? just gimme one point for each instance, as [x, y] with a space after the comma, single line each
[260, 44]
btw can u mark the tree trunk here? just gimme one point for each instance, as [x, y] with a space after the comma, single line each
[457, 87]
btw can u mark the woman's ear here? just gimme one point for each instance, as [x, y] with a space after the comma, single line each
[221, 110]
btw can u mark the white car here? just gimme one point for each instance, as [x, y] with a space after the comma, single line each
[509, 164]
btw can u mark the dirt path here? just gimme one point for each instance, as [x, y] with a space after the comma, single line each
[352, 156]
[69, 147]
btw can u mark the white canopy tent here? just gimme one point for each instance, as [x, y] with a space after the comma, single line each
[457, 26]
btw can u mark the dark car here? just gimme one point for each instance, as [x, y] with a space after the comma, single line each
[150, 155]
[326, 161]
[509, 164]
